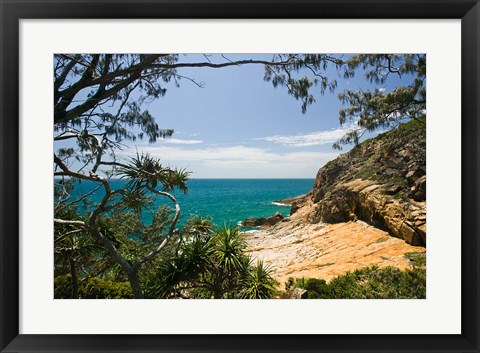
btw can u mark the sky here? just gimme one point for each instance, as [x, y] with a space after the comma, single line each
[239, 126]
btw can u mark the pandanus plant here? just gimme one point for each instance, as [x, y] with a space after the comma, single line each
[214, 264]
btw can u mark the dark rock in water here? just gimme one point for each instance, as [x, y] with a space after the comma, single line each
[254, 222]
[262, 221]
[274, 219]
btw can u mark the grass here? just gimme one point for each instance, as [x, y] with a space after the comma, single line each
[329, 163]
[364, 173]
[410, 131]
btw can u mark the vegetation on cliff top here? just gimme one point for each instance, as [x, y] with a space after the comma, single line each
[366, 283]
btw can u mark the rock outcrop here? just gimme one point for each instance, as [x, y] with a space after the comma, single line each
[367, 207]
[296, 202]
[254, 222]
[381, 182]
[299, 293]
[262, 221]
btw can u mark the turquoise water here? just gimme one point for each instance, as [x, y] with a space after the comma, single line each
[226, 201]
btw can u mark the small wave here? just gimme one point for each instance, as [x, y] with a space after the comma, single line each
[239, 223]
[280, 204]
[251, 231]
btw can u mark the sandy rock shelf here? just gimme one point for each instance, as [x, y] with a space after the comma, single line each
[298, 249]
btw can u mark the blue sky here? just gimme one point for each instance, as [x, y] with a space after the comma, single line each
[239, 126]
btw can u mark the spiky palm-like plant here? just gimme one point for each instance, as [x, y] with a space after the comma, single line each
[145, 171]
[228, 248]
[213, 265]
[258, 282]
[198, 225]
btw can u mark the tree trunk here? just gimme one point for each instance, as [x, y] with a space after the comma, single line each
[73, 272]
[135, 284]
[217, 286]
[217, 293]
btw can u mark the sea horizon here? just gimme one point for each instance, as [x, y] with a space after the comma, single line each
[228, 201]
[253, 178]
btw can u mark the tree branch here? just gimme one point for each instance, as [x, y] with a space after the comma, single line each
[70, 223]
[152, 254]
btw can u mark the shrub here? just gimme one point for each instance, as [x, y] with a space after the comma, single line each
[91, 288]
[369, 283]
[316, 288]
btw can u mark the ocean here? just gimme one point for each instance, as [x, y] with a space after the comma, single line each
[226, 201]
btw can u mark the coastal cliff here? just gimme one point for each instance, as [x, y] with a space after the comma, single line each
[381, 182]
[367, 207]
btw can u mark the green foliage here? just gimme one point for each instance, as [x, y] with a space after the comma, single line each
[369, 283]
[371, 110]
[329, 163]
[92, 288]
[127, 81]
[72, 245]
[284, 66]
[258, 283]
[146, 171]
[418, 259]
[198, 225]
[227, 248]
[132, 237]
[153, 233]
[135, 200]
[316, 288]
[211, 263]
[110, 241]
[110, 78]
[365, 173]
[81, 255]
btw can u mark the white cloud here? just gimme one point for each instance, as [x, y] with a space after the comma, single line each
[240, 161]
[181, 142]
[235, 153]
[311, 139]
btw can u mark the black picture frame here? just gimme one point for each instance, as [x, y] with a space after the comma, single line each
[12, 11]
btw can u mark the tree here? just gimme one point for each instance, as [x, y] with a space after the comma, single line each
[212, 263]
[376, 109]
[145, 173]
[98, 102]
[97, 105]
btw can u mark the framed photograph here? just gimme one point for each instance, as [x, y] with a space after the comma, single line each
[236, 176]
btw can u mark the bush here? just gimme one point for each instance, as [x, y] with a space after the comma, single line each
[316, 288]
[91, 288]
[369, 283]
